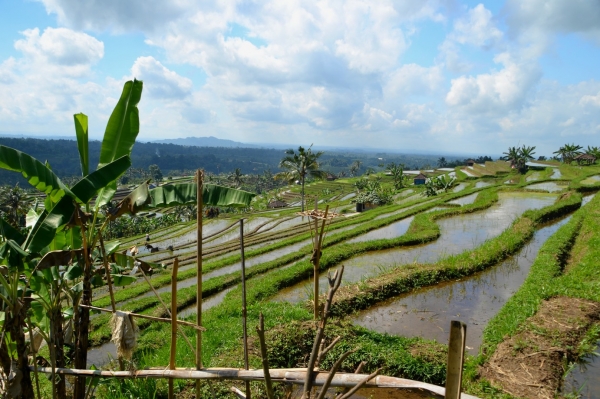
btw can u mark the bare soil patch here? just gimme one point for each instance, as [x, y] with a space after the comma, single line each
[531, 363]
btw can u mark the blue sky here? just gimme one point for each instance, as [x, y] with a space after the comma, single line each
[444, 76]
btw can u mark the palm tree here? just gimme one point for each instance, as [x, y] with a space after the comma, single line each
[236, 177]
[568, 152]
[397, 171]
[442, 163]
[595, 151]
[300, 164]
[518, 157]
[354, 168]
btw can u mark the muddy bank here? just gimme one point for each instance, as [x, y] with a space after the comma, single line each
[532, 362]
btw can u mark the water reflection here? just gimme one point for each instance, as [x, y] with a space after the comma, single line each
[473, 300]
[458, 233]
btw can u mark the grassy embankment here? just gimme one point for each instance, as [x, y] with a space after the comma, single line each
[566, 265]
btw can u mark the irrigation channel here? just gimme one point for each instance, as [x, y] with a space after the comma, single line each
[458, 234]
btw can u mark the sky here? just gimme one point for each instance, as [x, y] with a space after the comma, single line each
[445, 76]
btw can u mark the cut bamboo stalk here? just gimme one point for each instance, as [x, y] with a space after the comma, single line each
[199, 204]
[260, 330]
[319, 242]
[244, 308]
[456, 356]
[173, 325]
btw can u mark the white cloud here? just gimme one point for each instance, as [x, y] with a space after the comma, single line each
[536, 23]
[159, 81]
[72, 52]
[116, 15]
[477, 28]
[495, 92]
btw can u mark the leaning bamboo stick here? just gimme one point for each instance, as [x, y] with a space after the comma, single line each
[290, 376]
[199, 204]
[143, 316]
[173, 325]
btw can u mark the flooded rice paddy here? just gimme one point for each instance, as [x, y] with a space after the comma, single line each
[584, 378]
[458, 234]
[551, 187]
[591, 180]
[473, 300]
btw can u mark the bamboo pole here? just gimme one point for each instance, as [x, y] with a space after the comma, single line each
[319, 242]
[173, 325]
[244, 308]
[316, 265]
[144, 316]
[290, 376]
[456, 356]
[199, 204]
[260, 330]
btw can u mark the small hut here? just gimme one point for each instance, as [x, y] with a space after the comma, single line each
[419, 179]
[470, 162]
[331, 177]
[585, 159]
[276, 204]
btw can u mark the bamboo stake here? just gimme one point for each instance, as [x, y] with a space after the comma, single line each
[199, 203]
[319, 240]
[244, 308]
[169, 313]
[317, 247]
[456, 356]
[260, 330]
[173, 325]
[108, 277]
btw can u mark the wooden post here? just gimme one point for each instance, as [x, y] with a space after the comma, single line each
[199, 203]
[244, 308]
[316, 264]
[319, 242]
[456, 356]
[173, 325]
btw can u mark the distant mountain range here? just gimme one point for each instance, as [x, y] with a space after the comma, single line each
[207, 142]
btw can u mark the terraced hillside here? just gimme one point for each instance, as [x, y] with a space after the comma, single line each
[388, 252]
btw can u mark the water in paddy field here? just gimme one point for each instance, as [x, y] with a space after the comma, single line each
[473, 300]
[556, 174]
[591, 180]
[460, 187]
[584, 378]
[458, 233]
[481, 184]
[466, 200]
[391, 231]
[548, 186]
[533, 176]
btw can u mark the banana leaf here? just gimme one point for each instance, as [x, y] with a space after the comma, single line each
[134, 202]
[81, 131]
[36, 173]
[10, 233]
[120, 134]
[186, 193]
[44, 230]
[87, 187]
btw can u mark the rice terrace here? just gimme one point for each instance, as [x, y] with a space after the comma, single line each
[305, 282]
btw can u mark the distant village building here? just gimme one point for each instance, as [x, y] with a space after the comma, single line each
[276, 204]
[331, 177]
[585, 159]
[419, 179]
[470, 162]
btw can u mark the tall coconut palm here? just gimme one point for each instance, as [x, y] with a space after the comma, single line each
[568, 152]
[518, 157]
[298, 165]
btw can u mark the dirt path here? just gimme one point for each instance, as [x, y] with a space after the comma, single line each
[531, 363]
